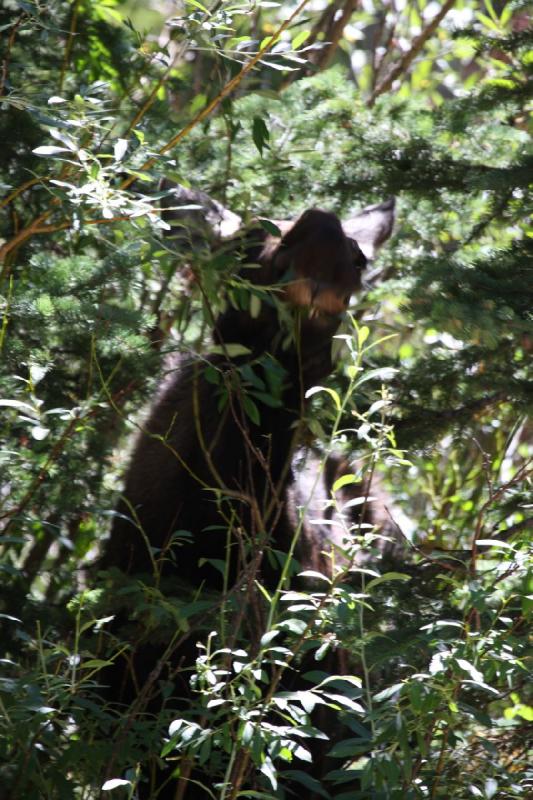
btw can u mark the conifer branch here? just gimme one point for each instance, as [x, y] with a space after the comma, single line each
[224, 92]
[35, 226]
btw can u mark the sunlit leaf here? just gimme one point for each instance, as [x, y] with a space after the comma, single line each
[49, 150]
[120, 148]
[332, 393]
[300, 38]
[344, 480]
[114, 783]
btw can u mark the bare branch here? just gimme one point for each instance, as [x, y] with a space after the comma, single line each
[407, 59]
[334, 33]
[5, 63]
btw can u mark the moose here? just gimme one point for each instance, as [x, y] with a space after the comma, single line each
[207, 495]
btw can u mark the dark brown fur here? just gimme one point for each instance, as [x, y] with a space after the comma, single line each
[195, 467]
[215, 473]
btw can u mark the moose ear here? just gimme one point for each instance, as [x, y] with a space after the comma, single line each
[371, 227]
[195, 217]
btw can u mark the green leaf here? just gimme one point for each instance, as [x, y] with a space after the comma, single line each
[267, 399]
[358, 501]
[197, 4]
[311, 573]
[10, 618]
[352, 371]
[270, 227]
[114, 783]
[348, 747]
[120, 147]
[495, 543]
[294, 625]
[377, 406]
[362, 335]
[269, 771]
[353, 680]
[260, 134]
[383, 374]
[264, 592]
[469, 668]
[506, 15]
[19, 405]
[308, 701]
[49, 150]
[344, 702]
[487, 21]
[39, 433]
[385, 694]
[332, 393]
[231, 350]
[267, 42]
[95, 662]
[300, 38]
[519, 710]
[251, 410]
[267, 637]
[310, 783]
[247, 733]
[255, 306]
[386, 577]
[490, 9]
[344, 480]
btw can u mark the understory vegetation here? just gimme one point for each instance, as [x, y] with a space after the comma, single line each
[271, 109]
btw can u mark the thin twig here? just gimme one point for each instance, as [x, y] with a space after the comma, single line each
[40, 477]
[20, 237]
[70, 40]
[22, 188]
[153, 94]
[334, 34]
[5, 62]
[332, 29]
[522, 473]
[387, 47]
[405, 62]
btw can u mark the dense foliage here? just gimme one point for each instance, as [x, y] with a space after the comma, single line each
[430, 392]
